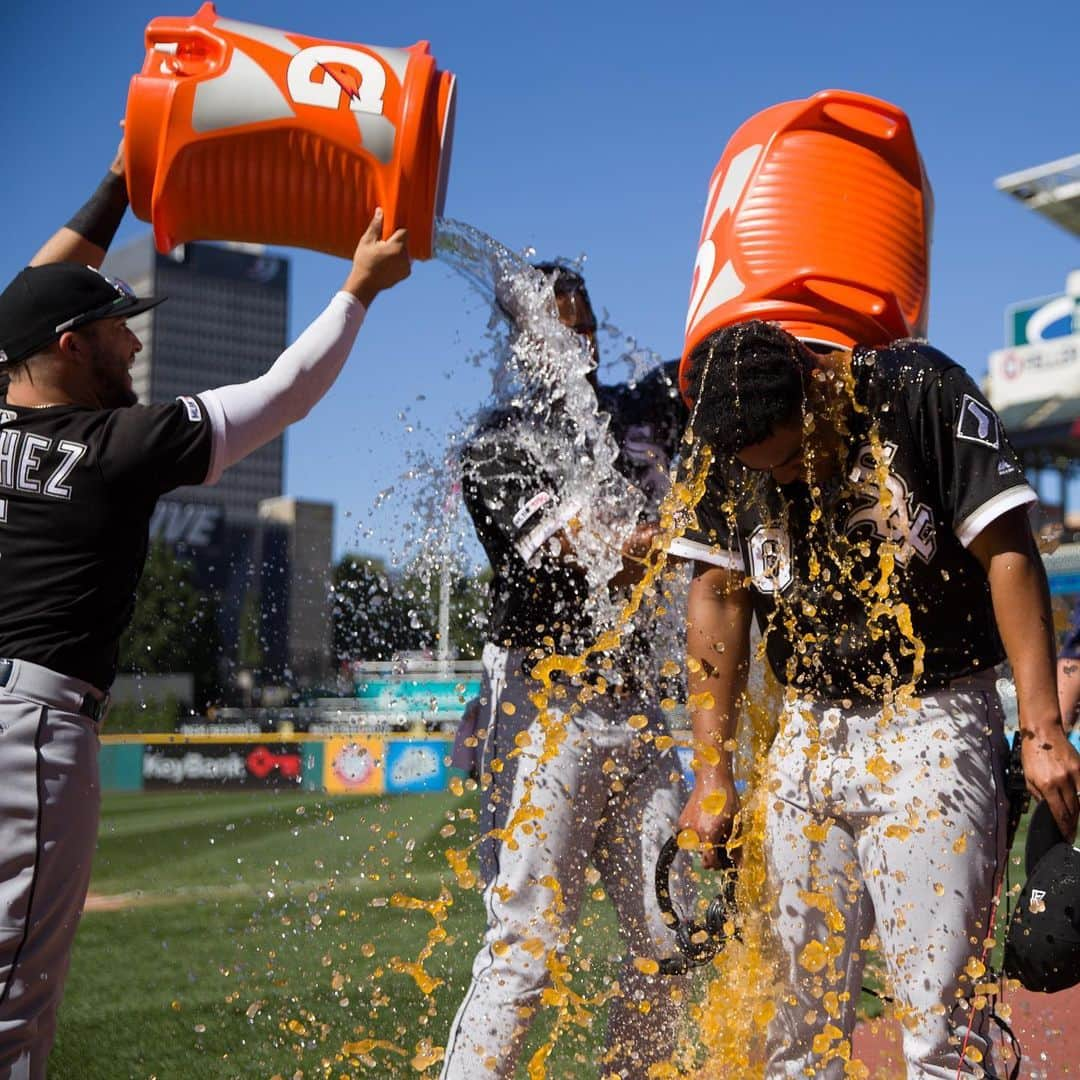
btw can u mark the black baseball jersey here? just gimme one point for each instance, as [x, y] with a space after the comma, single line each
[835, 573]
[77, 489]
[514, 498]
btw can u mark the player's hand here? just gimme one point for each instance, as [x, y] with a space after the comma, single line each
[117, 165]
[377, 264]
[1052, 772]
[633, 553]
[641, 539]
[711, 813]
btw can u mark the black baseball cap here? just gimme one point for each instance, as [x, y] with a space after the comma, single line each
[45, 301]
[1042, 948]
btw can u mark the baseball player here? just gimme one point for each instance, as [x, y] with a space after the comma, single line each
[81, 467]
[607, 794]
[867, 509]
[1068, 670]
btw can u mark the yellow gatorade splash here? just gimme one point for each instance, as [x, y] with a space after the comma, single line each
[438, 910]
[730, 1032]
[734, 998]
[553, 713]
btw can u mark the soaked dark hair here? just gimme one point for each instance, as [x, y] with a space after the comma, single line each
[564, 280]
[744, 381]
[568, 282]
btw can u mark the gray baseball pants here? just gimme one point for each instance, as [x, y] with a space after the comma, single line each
[49, 804]
[897, 824]
[608, 797]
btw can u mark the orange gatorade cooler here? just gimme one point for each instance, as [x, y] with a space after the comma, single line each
[240, 132]
[818, 217]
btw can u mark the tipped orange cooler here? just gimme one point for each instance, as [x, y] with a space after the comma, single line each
[818, 217]
[240, 132]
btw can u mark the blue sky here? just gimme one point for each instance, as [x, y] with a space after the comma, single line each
[586, 129]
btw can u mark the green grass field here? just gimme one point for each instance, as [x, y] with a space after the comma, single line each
[250, 935]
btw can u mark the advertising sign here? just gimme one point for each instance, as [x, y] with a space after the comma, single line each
[1034, 372]
[355, 764]
[416, 764]
[222, 765]
[1045, 319]
[421, 696]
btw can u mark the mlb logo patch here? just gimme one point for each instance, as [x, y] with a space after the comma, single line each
[194, 413]
[978, 424]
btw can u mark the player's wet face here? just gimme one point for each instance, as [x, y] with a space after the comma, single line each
[780, 454]
[113, 350]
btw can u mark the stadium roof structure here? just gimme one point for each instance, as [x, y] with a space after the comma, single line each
[1045, 433]
[1052, 190]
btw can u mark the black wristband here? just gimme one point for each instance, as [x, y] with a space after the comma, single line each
[100, 216]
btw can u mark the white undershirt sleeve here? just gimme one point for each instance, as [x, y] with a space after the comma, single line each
[248, 415]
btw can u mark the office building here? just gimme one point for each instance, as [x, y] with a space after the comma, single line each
[267, 558]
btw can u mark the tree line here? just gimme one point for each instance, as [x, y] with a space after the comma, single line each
[377, 614]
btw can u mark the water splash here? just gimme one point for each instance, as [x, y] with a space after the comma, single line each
[543, 374]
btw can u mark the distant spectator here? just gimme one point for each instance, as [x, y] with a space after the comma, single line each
[468, 742]
[1068, 671]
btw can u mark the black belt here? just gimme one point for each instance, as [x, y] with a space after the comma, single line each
[90, 707]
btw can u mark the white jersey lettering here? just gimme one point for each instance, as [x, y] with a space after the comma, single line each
[73, 453]
[9, 444]
[30, 460]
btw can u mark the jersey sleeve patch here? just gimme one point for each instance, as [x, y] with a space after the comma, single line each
[191, 406]
[528, 545]
[531, 506]
[978, 424]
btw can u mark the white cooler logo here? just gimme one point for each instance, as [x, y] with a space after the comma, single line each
[770, 559]
[334, 64]
[712, 285]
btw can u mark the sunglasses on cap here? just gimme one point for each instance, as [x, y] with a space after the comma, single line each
[125, 294]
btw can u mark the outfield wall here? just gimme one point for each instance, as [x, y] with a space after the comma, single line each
[336, 764]
[339, 764]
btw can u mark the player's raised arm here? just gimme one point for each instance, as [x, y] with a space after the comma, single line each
[87, 236]
[718, 652]
[248, 415]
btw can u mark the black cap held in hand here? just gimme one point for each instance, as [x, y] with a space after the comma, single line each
[42, 302]
[1042, 949]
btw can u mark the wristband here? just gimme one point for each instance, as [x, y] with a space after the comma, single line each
[100, 216]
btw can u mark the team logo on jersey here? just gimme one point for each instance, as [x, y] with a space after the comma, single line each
[770, 559]
[892, 514]
[978, 424]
